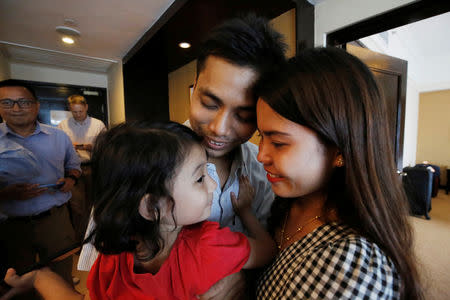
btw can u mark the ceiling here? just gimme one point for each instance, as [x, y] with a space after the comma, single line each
[109, 29]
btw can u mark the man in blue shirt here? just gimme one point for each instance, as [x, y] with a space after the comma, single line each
[34, 220]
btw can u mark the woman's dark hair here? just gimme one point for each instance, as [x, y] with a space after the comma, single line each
[336, 95]
[129, 162]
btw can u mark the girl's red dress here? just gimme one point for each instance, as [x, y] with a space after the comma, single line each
[202, 254]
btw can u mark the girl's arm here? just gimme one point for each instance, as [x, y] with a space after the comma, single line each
[48, 284]
[263, 248]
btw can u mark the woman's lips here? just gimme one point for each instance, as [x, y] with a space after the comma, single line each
[273, 178]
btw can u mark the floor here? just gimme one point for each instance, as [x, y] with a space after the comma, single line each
[432, 248]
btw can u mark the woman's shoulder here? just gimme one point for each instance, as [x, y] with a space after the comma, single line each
[341, 241]
[351, 263]
[333, 262]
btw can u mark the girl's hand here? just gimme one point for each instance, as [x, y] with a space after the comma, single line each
[246, 195]
[19, 284]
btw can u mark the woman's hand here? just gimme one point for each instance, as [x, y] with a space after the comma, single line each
[19, 284]
[243, 203]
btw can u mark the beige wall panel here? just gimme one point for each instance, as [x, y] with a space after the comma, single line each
[433, 140]
[116, 99]
[179, 82]
[285, 24]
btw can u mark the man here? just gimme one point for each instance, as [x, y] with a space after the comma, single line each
[232, 59]
[223, 110]
[82, 131]
[36, 219]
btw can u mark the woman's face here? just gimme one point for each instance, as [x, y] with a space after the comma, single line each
[297, 163]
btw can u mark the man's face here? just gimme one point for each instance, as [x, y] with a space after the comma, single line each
[223, 109]
[17, 116]
[79, 111]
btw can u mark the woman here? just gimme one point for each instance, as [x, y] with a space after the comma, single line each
[340, 218]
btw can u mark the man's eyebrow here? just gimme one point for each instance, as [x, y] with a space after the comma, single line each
[211, 95]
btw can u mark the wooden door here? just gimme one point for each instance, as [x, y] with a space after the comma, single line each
[391, 74]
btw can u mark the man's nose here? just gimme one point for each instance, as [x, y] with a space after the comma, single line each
[16, 106]
[220, 125]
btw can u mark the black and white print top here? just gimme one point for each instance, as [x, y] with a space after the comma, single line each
[332, 262]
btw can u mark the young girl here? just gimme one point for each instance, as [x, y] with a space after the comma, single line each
[340, 219]
[152, 196]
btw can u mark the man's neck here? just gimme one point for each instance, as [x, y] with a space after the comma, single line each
[223, 167]
[23, 131]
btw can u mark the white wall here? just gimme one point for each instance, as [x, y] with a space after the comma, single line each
[116, 99]
[44, 73]
[411, 124]
[5, 71]
[331, 15]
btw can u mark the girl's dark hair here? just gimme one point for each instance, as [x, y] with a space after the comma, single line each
[129, 162]
[336, 95]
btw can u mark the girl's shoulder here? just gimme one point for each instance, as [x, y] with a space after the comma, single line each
[210, 232]
[208, 238]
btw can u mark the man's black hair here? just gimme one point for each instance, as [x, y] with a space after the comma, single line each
[249, 41]
[13, 82]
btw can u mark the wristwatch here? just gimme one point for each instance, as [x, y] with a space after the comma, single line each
[73, 177]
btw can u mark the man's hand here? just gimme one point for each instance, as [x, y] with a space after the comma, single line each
[19, 284]
[21, 191]
[231, 287]
[68, 184]
[246, 194]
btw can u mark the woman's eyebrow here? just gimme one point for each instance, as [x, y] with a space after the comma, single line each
[273, 132]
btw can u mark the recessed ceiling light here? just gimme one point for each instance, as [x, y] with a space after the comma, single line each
[184, 45]
[68, 40]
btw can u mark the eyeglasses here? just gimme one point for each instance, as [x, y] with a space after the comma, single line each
[23, 103]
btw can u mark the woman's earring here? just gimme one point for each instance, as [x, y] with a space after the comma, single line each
[339, 161]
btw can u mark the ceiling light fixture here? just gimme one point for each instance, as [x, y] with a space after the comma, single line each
[68, 34]
[68, 40]
[184, 45]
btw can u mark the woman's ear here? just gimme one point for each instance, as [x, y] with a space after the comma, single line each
[144, 208]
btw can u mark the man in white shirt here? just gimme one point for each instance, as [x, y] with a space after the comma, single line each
[82, 131]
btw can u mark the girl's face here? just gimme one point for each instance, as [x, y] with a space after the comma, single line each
[192, 190]
[298, 164]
